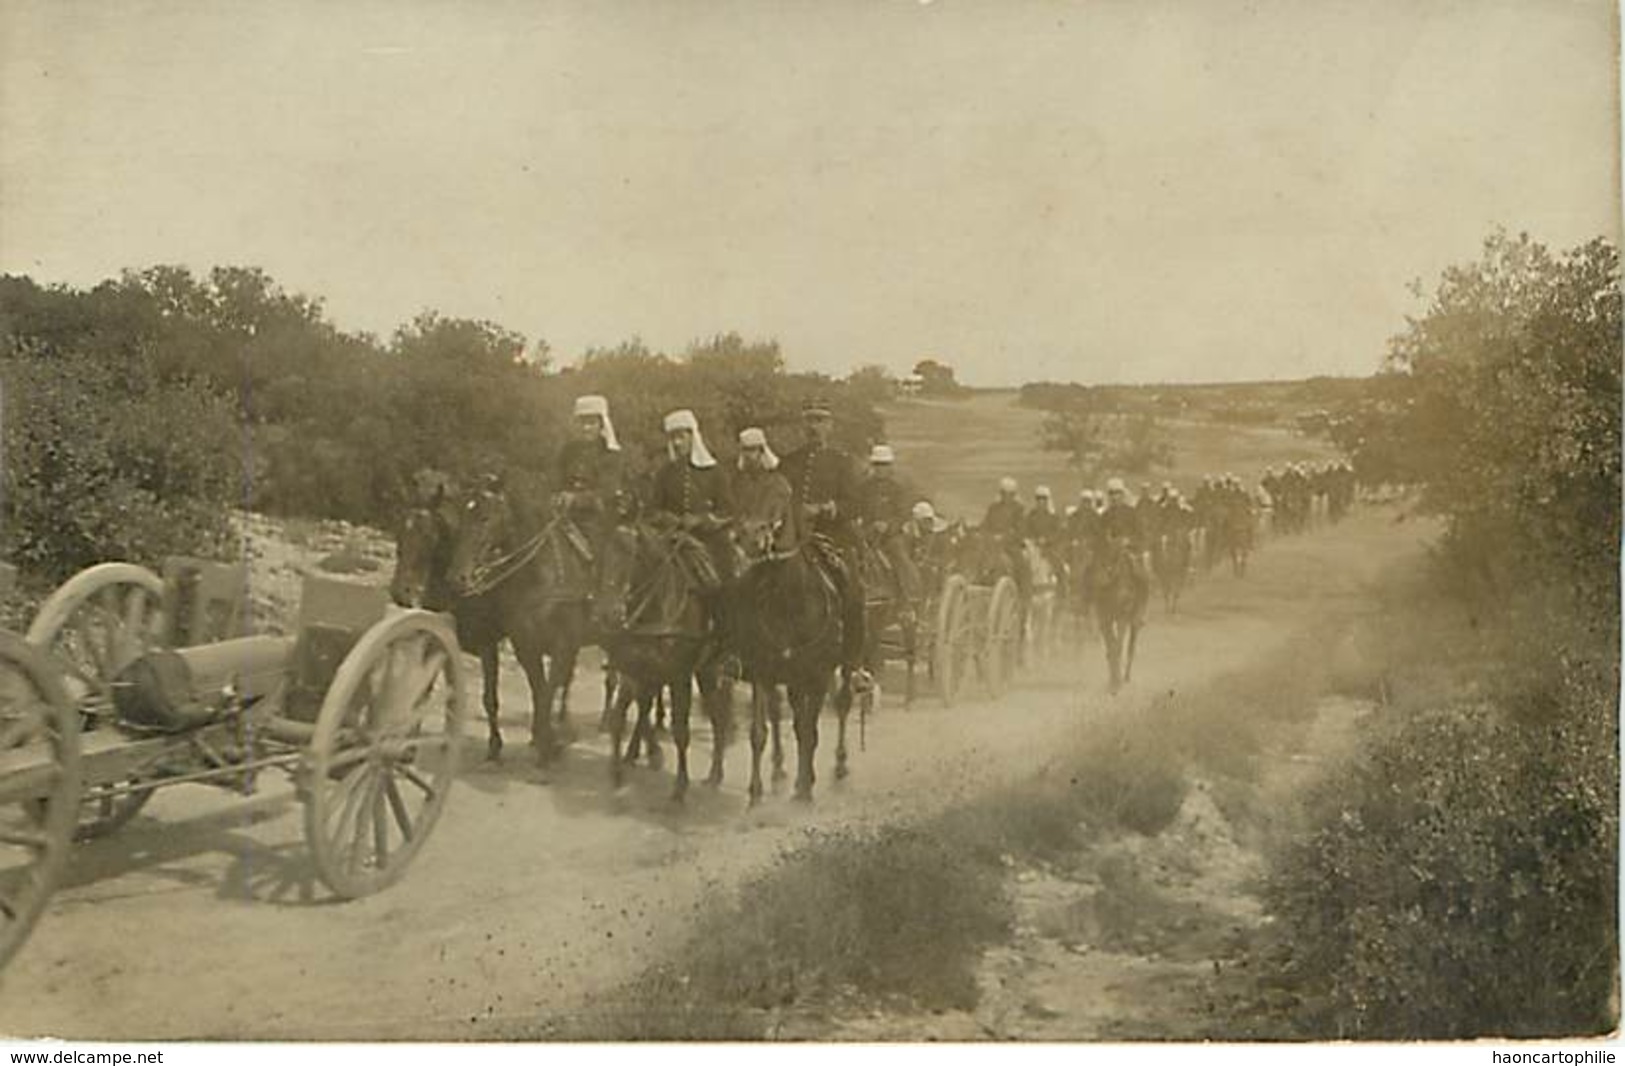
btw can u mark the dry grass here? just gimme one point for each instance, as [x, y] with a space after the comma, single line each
[930, 436]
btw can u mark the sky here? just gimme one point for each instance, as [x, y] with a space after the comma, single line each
[1101, 191]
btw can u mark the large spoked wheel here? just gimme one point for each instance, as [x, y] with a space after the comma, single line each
[1003, 634]
[40, 783]
[1043, 624]
[950, 653]
[384, 753]
[94, 626]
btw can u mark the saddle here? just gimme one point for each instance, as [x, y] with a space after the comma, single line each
[677, 567]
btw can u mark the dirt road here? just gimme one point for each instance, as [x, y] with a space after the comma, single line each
[203, 918]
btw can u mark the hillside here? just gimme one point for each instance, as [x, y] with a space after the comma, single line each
[955, 451]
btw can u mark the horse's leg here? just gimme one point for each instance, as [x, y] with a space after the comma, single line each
[640, 728]
[609, 694]
[843, 707]
[775, 711]
[682, 700]
[490, 675]
[1128, 659]
[805, 705]
[564, 668]
[542, 739]
[617, 729]
[1109, 633]
[717, 695]
[758, 741]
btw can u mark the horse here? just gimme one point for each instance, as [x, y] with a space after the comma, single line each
[1119, 600]
[1076, 602]
[1172, 564]
[1047, 572]
[1238, 536]
[654, 623]
[534, 593]
[788, 629]
[423, 545]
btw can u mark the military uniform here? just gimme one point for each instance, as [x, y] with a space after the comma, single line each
[595, 478]
[885, 500]
[824, 475]
[1005, 518]
[1123, 523]
[762, 496]
[820, 475]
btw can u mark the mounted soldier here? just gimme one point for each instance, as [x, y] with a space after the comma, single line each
[924, 534]
[591, 490]
[1121, 526]
[1006, 519]
[761, 494]
[883, 509]
[823, 483]
[693, 498]
[1043, 524]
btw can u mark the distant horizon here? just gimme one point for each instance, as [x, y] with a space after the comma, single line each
[559, 363]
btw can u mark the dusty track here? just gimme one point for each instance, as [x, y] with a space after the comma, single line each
[203, 918]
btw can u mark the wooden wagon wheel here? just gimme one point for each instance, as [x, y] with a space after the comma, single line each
[1003, 634]
[94, 626]
[40, 772]
[384, 752]
[947, 647]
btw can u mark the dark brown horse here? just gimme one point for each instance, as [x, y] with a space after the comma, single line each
[534, 593]
[788, 630]
[1119, 599]
[652, 617]
[422, 561]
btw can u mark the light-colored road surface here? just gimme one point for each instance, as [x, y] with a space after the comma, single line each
[204, 919]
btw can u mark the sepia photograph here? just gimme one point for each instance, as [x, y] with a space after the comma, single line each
[861, 522]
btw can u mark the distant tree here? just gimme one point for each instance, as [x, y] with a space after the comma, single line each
[1097, 439]
[936, 379]
[873, 382]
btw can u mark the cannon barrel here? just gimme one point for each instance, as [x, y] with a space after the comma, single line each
[178, 688]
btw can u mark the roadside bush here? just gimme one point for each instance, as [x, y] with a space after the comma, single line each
[100, 465]
[1459, 884]
[898, 913]
[1461, 877]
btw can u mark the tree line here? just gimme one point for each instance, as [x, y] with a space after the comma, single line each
[139, 411]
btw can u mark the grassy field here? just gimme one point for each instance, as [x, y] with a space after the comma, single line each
[955, 451]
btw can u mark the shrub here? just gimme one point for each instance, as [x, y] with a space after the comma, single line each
[101, 465]
[1459, 883]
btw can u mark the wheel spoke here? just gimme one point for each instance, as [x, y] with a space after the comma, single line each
[344, 759]
[24, 726]
[358, 840]
[416, 779]
[380, 826]
[20, 836]
[93, 651]
[397, 804]
[137, 604]
[347, 796]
